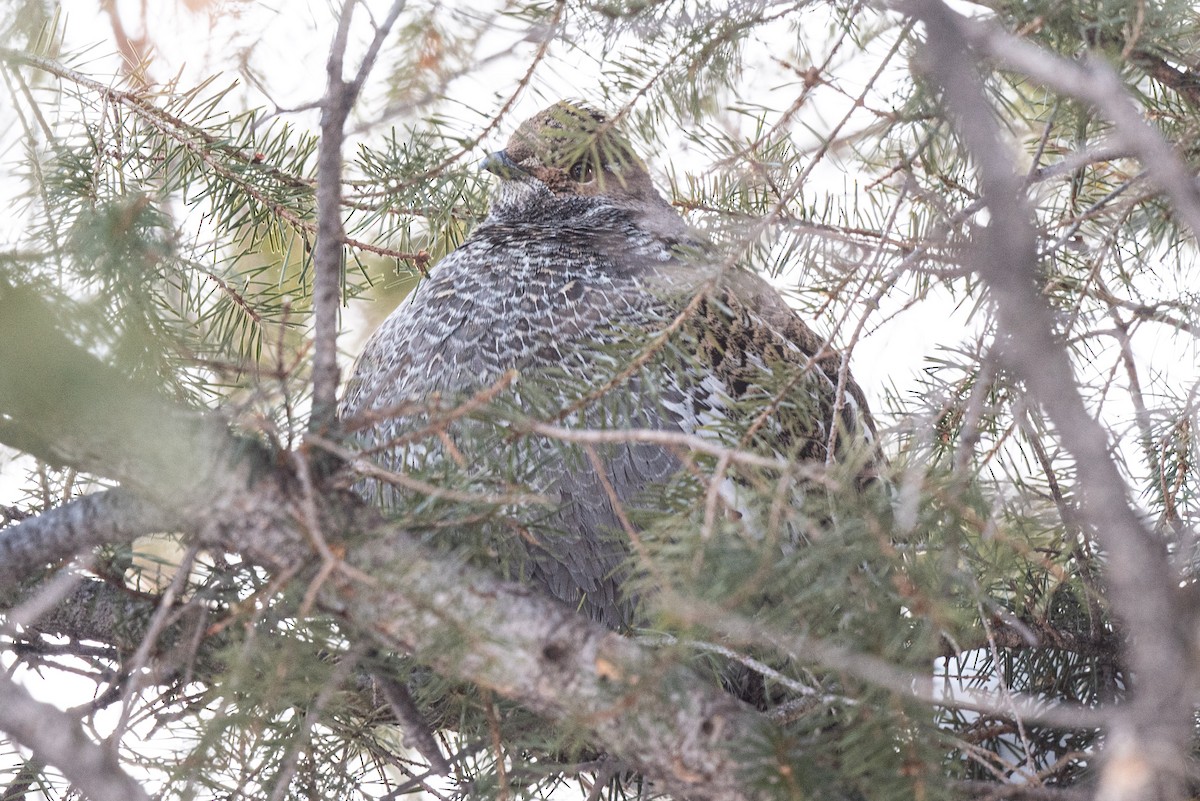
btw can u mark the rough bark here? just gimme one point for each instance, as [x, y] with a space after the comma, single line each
[234, 495]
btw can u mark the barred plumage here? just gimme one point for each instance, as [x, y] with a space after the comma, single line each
[578, 265]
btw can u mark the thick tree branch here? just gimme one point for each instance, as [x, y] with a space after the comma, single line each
[1150, 737]
[639, 704]
[104, 518]
[681, 732]
[57, 739]
[101, 612]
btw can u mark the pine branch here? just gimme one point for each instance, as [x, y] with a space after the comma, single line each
[1154, 731]
[237, 166]
[167, 123]
[103, 518]
[990, 517]
[739, 630]
[1094, 82]
[664, 720]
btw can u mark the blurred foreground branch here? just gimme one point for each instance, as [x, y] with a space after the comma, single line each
[1151, 736]
[682, 731]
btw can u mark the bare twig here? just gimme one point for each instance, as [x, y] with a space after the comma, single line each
[670, 439]
[340, 96]
[740, 630]
[417, 732]
[699, 646]
[493, 720]
[991, 791]
[366, 467]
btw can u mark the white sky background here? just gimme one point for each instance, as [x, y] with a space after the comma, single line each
[289, 42]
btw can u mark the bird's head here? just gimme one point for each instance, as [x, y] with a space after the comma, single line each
[570, 150]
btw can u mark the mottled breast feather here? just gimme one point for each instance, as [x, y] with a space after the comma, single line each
[579, 264]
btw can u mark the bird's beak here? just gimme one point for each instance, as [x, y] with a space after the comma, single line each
[501, 164]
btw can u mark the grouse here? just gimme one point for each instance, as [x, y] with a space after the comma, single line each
[614, 315]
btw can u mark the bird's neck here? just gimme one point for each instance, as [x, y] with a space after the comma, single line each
[532, 208]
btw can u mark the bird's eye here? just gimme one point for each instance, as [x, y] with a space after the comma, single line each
[581, 171]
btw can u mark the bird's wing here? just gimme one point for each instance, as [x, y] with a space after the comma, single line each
[753, 357]
[782, 338]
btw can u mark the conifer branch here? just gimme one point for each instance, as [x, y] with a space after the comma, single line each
[825, 165]
[1094, 82]
[665, 720]
[103, 518]
[904, 683]
[1150, 737]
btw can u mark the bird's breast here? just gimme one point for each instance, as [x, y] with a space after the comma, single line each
[490, 309]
